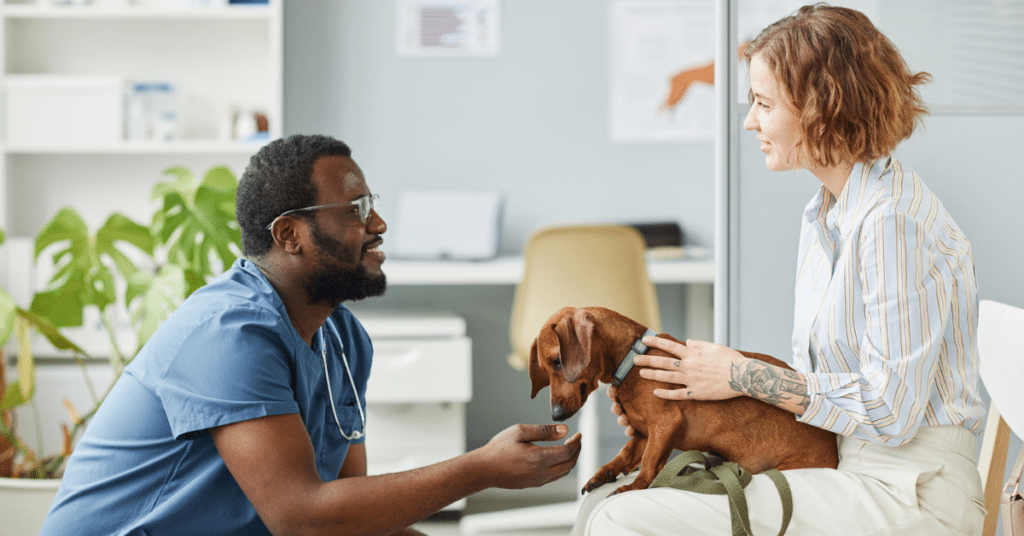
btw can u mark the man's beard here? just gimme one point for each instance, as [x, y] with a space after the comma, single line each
[331, 283]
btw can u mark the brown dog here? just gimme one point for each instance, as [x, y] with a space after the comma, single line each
[579, 347]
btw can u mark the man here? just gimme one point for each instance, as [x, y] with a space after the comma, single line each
[244, 413]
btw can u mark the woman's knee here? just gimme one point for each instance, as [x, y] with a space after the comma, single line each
[653, 512]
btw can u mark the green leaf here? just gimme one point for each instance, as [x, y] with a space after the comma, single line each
[85, 263]
[118, 228]
[154, 298]
[197, 219]
[221, 178]
[67, 225]
[52, 334]
[26, 363]
[7, 311]
[62, 305]
[12, 396]
[21, 390]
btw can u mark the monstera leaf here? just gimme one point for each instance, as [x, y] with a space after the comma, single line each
[84, 264]
[17, 321]
[197, 219]
[152, 298]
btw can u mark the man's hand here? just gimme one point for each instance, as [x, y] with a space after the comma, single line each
[515, 462]
[272, 460]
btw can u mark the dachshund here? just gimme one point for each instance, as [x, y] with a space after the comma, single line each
[579, 347]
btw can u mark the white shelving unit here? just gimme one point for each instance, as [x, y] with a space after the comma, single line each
[220, 58]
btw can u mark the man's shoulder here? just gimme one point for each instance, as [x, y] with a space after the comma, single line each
[234, 298]
[241, 285]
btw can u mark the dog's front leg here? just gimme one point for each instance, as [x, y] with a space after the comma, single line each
[654, 458]
[623, 462]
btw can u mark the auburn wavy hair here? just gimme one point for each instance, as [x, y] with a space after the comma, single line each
[856, 96]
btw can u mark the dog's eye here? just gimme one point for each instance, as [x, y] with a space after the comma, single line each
[557, 364]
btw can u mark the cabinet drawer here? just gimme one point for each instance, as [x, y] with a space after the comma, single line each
[403, 436]
[420, 370]
[405, 425]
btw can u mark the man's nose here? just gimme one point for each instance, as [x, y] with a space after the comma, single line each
[376, 223]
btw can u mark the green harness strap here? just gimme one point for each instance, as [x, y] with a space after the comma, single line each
[720, 477]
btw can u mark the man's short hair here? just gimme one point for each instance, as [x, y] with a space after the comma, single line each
[279, 178]
[856, 96]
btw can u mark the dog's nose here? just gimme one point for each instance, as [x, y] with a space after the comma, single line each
[558, 413]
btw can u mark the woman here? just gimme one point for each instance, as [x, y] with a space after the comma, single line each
[886, 310]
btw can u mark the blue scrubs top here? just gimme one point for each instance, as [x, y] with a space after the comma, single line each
[146, 464]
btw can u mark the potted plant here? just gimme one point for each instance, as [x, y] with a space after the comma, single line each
[192, 237]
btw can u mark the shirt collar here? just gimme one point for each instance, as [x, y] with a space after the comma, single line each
[862, 187]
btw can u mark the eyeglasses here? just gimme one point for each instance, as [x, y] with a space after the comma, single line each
[365, 203]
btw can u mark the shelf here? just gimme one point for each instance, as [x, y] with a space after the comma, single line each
[177, 41]
[142, 147]
[45, 11]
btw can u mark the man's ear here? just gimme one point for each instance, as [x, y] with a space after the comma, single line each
[287, 233]
[574, 331]
[539, 376]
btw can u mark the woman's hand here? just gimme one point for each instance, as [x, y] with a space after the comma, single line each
[703, 370]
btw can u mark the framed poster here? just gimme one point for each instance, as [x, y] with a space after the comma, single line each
[440, 28]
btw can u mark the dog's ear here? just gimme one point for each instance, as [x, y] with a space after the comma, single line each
[574, 331]
[538, 375]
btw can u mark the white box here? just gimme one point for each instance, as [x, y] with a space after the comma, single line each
[447, 224]
[53, 109]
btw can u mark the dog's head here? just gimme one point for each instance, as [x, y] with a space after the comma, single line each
[561, 358]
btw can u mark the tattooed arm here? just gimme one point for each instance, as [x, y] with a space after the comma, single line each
[777, 386]
[707, 371]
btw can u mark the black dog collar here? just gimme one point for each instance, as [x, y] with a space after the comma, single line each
[638, 348]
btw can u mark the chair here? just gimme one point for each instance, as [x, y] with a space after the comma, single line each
[1001, 348]
[580, 266]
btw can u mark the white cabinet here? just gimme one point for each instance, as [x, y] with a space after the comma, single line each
[209, 73]
[418, 389]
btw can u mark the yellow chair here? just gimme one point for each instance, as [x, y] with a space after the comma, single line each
[579, 266]
[1001, 350]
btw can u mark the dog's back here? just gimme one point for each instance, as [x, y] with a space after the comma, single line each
[752, 433]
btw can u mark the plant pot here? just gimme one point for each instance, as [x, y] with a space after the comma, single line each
[31, 499]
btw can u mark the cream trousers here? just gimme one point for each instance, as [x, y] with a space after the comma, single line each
[929, 486]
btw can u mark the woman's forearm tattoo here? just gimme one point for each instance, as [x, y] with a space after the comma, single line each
[770, 384]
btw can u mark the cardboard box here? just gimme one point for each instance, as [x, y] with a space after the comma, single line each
[52, 109]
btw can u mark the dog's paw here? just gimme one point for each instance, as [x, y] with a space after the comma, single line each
[602, 477]
[634, 485]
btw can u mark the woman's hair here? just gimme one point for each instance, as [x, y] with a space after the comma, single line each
[856, 96]
[279, 178]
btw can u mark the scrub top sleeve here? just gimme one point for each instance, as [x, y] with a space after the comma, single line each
[231, 367]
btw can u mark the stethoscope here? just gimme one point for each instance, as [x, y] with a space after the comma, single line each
[362, 416]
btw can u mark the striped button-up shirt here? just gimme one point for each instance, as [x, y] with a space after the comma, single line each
[886, 310]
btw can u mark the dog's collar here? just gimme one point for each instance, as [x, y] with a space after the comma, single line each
[627, 362]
